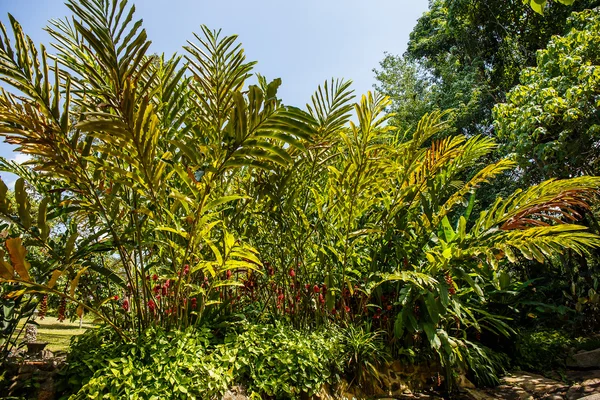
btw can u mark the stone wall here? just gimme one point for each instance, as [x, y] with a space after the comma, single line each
[31, 379]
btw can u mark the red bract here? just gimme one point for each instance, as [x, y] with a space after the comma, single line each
[126, 305]
[186, 269]
[155, 277]
[43, 307]
[152, 305]
[168, 283]
[292, 272]
[62, 308]
[228, 274]
[164, 290]
[347, 309]
[193, 303]
[116, 297]
[316, 289]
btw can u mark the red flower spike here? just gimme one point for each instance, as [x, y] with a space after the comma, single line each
[126, 305]
[228, 273]
[43, 307]
[186, 269]
[292, 272]
[116, 297]
[347, 309]
[316, 289]
[154, 277]
[62, 308]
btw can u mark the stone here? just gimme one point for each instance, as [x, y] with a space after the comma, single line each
[463, 382]
[537, 385]
[580, 376]
[474, 394]
[585, 360]
[592, 397]
[235, 393]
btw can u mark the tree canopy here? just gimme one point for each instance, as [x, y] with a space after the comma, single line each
[551, 120]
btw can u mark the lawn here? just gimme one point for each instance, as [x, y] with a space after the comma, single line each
[58, 334]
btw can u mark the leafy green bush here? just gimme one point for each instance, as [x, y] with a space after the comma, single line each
[270, 360]
[542, 350]
[160, 365]
[285, 363]
[366, 353]
[485, 366]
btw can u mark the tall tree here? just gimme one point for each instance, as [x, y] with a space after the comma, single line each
[551, 121]
[474, 52]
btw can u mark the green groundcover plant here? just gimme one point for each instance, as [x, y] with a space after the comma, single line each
[274, 361]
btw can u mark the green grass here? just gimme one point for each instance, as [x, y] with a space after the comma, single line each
[58, 334]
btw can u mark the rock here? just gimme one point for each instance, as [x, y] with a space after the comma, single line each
[534, 384]
[587, 359]
[474, 394]
[580, 376]
[592, 397]
[235, 393]
[463, 382]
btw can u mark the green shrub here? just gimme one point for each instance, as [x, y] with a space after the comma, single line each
[542, 350]
[283, 362]
[270, 360]
[160, 365]
[366, 353]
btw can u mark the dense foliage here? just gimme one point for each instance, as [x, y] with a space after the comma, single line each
[471, 53]
[164, 195]
[272, 361]
[551, 120]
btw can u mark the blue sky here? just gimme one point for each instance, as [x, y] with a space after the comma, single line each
[303, 42]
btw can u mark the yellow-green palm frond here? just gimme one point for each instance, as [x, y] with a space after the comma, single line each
[539, 243]
[552, 201]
